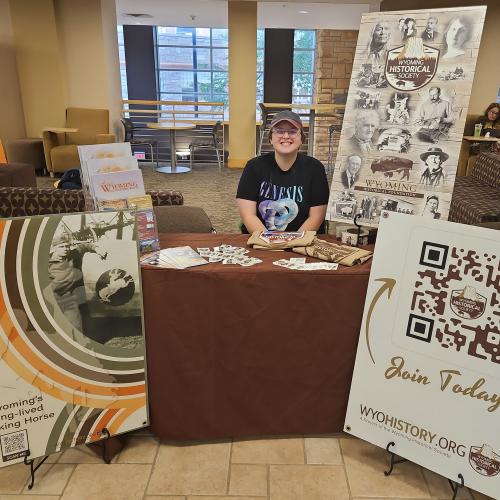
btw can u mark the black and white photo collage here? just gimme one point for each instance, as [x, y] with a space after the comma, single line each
[405, 113]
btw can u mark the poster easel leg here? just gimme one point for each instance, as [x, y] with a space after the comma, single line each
[108, 446]
[453, 484]
[33, 468]
[394, 461]
[106, 459]
[356, 219]
[456, 486]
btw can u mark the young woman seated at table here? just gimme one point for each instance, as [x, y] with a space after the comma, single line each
[283, 190]
[491, 120]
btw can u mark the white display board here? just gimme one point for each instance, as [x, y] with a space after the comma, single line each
[72, 353]
[427, 373]
[405, 113]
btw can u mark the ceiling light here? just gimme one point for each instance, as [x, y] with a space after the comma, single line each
[303, 12]
[137, 15]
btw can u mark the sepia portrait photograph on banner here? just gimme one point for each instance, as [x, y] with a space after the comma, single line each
[405, 113]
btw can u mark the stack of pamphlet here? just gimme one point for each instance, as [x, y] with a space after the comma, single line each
[112, 180]
[110, 175]
[174, 258]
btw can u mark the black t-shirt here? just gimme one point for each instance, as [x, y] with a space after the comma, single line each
[284, 198]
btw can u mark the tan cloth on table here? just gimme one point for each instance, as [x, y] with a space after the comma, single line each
[333, 252]
[258, 243]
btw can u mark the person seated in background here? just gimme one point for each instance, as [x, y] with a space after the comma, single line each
[283, 190]
[491, 120]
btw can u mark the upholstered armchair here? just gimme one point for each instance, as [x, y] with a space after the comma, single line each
[83, 126]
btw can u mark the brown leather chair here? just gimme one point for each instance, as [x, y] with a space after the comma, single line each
[60, 148]
[17, 175]
[183, 219]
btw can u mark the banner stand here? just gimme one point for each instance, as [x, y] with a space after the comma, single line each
[455, 486]
[108, 447]
[356, 219]
[394, 461]
[33, 468]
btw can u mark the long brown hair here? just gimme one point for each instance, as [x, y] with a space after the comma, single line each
[491, 106]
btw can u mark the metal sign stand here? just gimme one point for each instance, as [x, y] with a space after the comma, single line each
[359, 228]
[453, 484]
[33, 468]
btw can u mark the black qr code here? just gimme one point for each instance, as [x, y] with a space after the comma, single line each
[456, 300]
[14, 445]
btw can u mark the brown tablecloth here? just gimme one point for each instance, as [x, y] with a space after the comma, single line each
[249, 351]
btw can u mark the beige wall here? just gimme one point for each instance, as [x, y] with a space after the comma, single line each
[89, 46]
[40, 64]
[67, 55]
[242, 20]
[11, 115]
[487, 78]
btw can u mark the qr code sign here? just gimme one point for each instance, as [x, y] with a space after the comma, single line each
[456, 301]
[14, 445]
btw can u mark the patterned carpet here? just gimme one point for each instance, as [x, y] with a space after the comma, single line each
[204, 187]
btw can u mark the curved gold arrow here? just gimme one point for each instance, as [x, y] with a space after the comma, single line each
[388, 284]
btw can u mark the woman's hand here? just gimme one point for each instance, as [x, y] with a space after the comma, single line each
[315, 219]
[248, 214]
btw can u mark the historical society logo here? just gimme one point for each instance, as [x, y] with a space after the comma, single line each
[411, 66]
[467, 303]
[484, 460]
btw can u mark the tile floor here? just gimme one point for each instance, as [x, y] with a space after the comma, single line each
[311, 468]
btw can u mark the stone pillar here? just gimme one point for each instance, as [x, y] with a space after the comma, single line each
[333, 66]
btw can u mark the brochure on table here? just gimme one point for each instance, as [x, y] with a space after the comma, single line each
[427, 372]
[101, 156]
[71, 332]
[405, 113]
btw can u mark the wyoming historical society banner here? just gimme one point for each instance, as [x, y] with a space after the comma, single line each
[405, 113]
[71, 335]
[427, 373]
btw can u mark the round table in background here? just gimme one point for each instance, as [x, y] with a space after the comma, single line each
[172, 128]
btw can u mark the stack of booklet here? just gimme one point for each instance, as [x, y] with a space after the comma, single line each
[174, 258]
[112, 180]
[110, 175]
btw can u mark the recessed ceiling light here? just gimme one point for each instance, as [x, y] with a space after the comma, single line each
[137, 15]
[303, 12]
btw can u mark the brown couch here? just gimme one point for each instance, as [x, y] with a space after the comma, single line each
[476, 198]
[20, 202]
[60, 148]
[17, 175]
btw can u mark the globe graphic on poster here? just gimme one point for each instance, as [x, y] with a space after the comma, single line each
[115, 287]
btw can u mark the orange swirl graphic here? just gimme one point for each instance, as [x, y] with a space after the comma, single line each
[39, 366]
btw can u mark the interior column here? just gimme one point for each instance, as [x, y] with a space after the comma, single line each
[242, 20]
